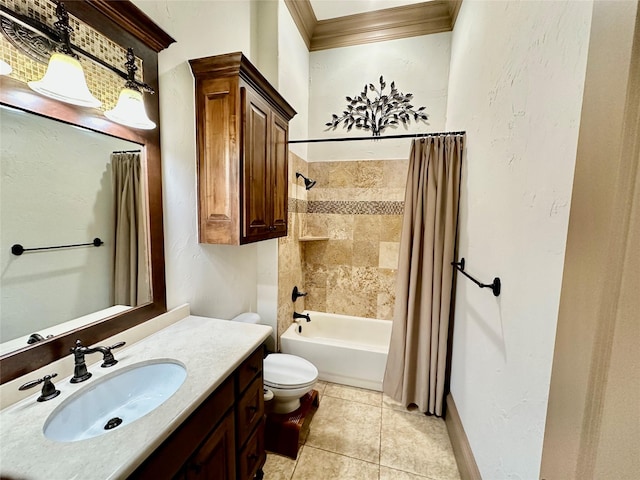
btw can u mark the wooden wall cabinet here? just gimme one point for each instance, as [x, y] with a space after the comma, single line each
[223, 439]
[242, 130]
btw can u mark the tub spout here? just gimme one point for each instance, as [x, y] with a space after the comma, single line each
[297, 315]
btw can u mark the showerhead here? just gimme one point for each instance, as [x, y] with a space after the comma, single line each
[308, 183]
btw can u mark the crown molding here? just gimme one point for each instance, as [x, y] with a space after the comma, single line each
[389, 24]
[304, 18]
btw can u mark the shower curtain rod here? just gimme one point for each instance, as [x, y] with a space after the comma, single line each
[128, 151]
[353, 139]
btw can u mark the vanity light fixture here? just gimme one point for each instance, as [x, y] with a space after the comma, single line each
[130, 109]
[5, 68]
[64, 79]
[308, 183]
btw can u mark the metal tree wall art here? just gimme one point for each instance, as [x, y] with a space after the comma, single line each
[386, 110]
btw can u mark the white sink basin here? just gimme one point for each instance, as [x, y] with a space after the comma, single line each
[115, 400]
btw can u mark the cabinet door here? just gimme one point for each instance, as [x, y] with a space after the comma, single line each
[279, 169]
[216, 457]
[255, 170]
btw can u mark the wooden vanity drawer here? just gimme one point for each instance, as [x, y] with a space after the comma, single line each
[249, 369]
[250, 409]
[253, 455]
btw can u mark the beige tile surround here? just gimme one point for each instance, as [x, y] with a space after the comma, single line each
[361, 434]
[357, 206]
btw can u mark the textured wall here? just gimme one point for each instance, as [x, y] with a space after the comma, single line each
[216, 280]
[418, 65]
[516, 82]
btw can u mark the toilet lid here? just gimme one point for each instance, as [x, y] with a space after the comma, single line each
[282, 370]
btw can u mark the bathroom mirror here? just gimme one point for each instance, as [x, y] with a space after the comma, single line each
[57, 187]
[127, 26]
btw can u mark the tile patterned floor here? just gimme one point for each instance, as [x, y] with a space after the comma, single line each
[364, 435]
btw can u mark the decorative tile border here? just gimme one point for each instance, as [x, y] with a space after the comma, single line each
[356, 207]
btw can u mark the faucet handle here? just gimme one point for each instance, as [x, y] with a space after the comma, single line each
[48, 389]
[108, 360]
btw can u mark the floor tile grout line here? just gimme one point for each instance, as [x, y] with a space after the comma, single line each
[342, 455]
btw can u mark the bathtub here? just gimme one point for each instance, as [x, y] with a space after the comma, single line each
[346, 350]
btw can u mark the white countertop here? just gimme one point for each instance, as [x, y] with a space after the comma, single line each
[210, 349]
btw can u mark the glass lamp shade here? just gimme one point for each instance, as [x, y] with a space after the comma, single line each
[64, 80]
[5, 68]
[130, 111]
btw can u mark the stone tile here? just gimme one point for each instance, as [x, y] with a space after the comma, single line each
[347, 428]
[340, 227]
[388, 257]
[278, 467]
[385, 306]
[417, 444]
[320, 386]
[342, 174]
[316, 299]
[394, 173]
[368, 174]
[365, 253]
[356, 303]
[360, 395]
[366, 227]
[319, 172]
[365, 280]
[316, 225]
[338, 252]
[390, 228]
[315, 252]
[387, 473]
[315, 464]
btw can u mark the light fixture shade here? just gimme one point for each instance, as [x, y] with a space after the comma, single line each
[64, 80]
[130, 111]
[5, 68]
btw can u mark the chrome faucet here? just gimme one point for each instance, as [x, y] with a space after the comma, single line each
[80, 372]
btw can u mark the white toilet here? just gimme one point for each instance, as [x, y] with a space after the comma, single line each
[289, 377]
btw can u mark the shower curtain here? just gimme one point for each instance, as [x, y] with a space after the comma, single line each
[416, 365]
[131, 269]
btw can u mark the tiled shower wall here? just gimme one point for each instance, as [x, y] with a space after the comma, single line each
[290, 252]
[344, 237]
[358, 205]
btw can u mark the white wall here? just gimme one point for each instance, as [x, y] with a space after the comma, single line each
[516, 82]
[56, 190]
[418, 65]
[216, 280]
[293, 79]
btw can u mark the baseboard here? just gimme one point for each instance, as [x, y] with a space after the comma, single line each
[461, 448]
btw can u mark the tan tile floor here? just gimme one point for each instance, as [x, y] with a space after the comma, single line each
[363, 435]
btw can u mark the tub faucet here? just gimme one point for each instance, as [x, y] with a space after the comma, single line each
[80, 372]
[297, 315]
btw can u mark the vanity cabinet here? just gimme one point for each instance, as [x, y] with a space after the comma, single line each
[223, 439]
[242, 130]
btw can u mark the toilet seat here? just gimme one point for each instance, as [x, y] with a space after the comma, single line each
[288, 372]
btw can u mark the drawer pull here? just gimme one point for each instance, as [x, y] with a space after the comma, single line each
[252, 408]
[253, 368]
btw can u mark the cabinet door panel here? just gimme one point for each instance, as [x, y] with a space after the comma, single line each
[279, 174]
[215, 459]
[217, 169]
[255, 168]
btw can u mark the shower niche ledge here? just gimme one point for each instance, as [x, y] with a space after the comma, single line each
[242, 131]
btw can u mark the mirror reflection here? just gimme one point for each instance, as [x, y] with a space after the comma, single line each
[63, 185]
